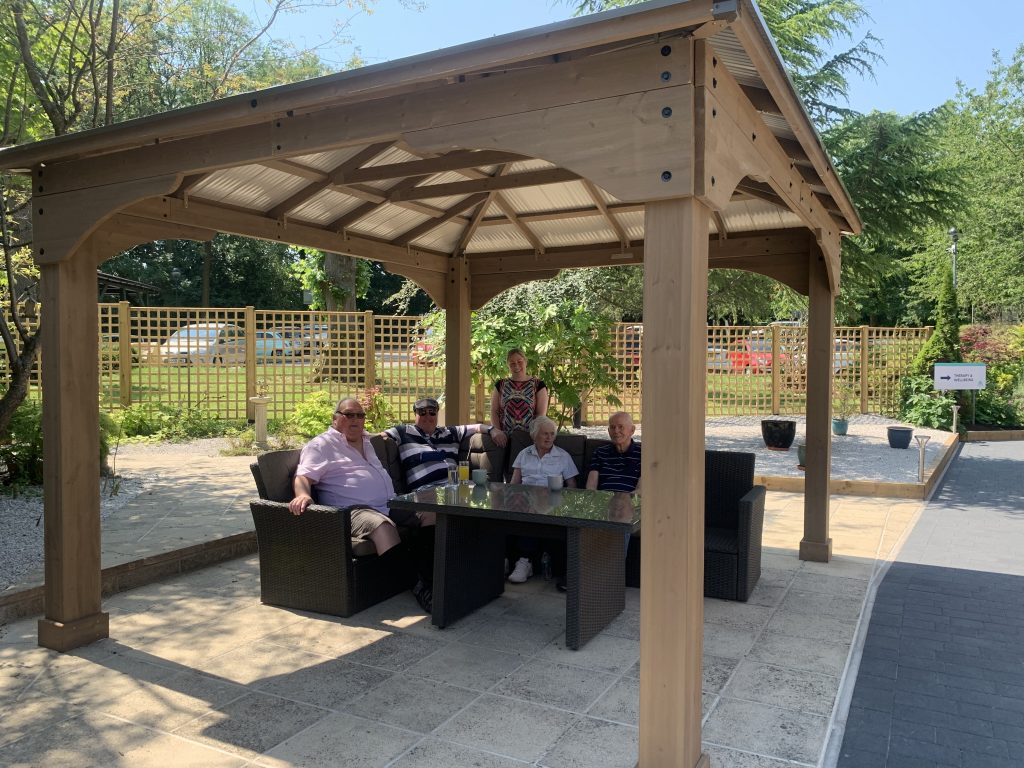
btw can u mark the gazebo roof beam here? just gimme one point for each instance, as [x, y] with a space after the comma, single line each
[569, 213]
[595, 195]
[487, 184]
[198, 213]
[381, 79]
[453, 161]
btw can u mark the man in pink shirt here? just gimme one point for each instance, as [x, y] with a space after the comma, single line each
[343, 466]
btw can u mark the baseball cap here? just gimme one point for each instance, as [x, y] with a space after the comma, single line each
[426, 402]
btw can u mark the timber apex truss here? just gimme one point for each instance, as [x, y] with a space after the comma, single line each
[665, 134]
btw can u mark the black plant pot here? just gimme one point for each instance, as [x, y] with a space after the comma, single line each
[899, 437]
[778, 434]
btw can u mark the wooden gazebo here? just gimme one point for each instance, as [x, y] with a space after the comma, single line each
[666, 134]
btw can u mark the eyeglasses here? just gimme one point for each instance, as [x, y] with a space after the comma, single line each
[427, 411]
[351, 414]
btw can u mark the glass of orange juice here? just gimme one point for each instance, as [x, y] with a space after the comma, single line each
[464, 472]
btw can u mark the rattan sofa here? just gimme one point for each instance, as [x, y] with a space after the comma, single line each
[308, 561]
[733, 526]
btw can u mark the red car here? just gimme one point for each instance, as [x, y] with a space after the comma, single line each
[420, 351]
[752, 355]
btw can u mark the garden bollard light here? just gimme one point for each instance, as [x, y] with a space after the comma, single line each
[922, 440]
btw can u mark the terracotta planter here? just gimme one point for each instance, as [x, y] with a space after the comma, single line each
[899, 437]
[778, 434]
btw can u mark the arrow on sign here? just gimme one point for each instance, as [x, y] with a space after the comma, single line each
[945, 378]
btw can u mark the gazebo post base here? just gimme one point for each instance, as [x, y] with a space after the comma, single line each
[816, 551]
[702, 762]
[63, 636]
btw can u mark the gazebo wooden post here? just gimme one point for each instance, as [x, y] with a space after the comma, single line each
[71, 460]
[672, 567]
[816, 544]
[456, 347]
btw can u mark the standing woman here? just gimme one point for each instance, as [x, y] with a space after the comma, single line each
[517, 400]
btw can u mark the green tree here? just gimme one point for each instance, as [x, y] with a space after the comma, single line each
[987, 132]
[904, 185]
[943, 346]
[77, 64]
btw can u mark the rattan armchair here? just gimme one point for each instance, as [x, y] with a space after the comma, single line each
[733, 526]
[308, 561]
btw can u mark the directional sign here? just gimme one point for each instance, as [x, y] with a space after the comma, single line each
[959, 376]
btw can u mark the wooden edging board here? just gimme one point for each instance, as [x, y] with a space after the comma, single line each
[135, 573]
[873, 487]
[993, 436]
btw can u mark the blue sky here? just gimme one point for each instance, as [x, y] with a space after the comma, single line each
[928, 44]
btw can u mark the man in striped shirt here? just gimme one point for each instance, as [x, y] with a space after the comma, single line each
[425, 449]
[616, 467]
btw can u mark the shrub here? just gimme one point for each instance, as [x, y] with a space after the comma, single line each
[922, 405]
[943, 346]
[21, 451]
[171, 423]
[312, 415]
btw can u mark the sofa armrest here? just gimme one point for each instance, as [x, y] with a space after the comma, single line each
[751, 529]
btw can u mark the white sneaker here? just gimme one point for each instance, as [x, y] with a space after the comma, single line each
[522, 571]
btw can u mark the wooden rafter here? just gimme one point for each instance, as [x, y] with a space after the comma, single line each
[431, 224]
[452, 161]
[595, 195]
[510, 213]
[569, 213]
[488, 184]
[312, 190]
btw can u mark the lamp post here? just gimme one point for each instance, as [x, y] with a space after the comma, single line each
[176, 280]
[954, 236]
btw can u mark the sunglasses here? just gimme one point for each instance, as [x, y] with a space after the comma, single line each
[351, 414]
[427, 411]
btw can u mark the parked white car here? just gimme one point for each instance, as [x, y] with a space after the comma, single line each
[204, 343]
[220, 343]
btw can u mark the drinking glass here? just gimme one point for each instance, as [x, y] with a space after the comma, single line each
[464, 472]
[453, 475]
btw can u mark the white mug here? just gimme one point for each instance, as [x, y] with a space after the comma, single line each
[555, 482]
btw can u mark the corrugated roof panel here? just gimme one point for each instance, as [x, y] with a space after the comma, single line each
[392, 156]
[753, 215]
[564, 233]
[325, 207]
[444, 239]
[498, 238]
[533, 164]
[387, 222]
[327, 161]
[249, 186]
[633, 223]
[566, 196]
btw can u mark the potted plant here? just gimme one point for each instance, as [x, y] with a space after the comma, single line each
[843, 403]
[899, 436]
[778, 434]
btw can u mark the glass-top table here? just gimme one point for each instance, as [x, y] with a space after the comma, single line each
[469, 546]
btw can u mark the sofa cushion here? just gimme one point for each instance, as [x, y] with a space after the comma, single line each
[593, 443]
[721, 540]
[574, 445]
[483, 453]
[387, 452]
[728, 475]
[277, 469]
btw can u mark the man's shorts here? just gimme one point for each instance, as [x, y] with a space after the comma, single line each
[366, 520]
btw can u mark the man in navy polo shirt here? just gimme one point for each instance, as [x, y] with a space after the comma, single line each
[616, 467]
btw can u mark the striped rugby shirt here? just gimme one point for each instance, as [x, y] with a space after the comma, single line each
[425, 458]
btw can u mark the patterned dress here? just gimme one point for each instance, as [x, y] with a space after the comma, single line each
[518, 402]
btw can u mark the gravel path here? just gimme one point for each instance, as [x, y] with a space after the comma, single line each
[21, 525]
